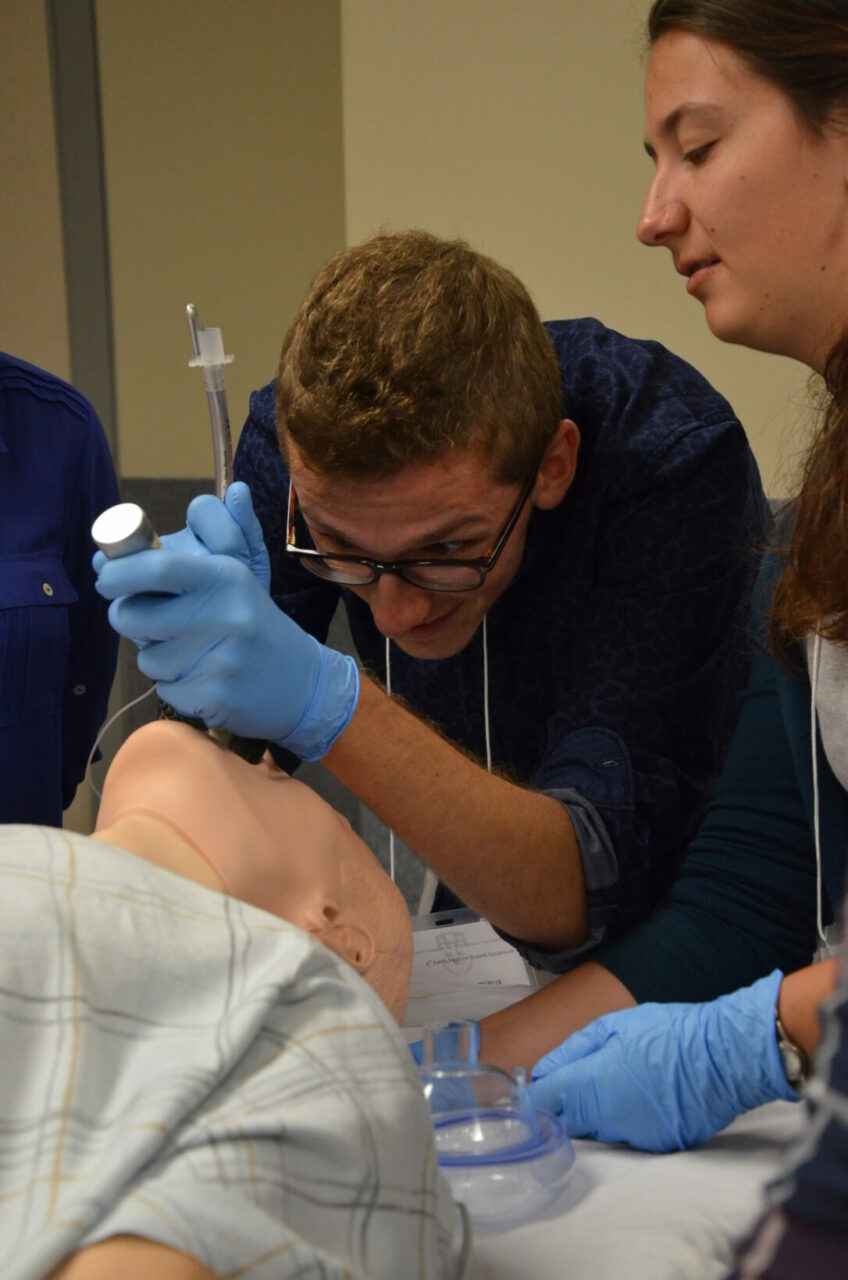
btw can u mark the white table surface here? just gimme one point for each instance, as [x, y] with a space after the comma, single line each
[628, 1215]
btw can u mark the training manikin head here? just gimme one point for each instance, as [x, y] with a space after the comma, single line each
[175, 797]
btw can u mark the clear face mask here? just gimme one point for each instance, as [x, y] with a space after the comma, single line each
[506, 1161]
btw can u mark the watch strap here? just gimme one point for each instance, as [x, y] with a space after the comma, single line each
[794, 1059]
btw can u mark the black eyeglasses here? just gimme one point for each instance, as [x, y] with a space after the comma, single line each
[430, 575]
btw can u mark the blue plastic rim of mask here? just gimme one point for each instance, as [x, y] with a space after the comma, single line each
[475, 1139]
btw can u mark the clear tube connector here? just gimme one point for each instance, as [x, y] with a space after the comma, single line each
[210, 357]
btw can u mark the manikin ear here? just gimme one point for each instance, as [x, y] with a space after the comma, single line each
[558, 466]
[346, 936]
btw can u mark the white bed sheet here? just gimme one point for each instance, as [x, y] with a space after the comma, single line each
[627, 1215]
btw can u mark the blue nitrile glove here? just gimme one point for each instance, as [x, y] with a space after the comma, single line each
[664, 1077]
[226, 528]
[220, 650]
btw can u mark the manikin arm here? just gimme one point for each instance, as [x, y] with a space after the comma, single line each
[132, 1259]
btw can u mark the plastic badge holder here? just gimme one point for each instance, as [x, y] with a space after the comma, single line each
[505, 1161]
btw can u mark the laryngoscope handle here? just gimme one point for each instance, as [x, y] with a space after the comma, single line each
[121, 530]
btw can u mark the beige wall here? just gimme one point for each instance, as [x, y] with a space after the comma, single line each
[223, 158]
[518, 125]
[33, 308]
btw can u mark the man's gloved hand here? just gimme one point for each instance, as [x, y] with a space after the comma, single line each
[227, 528]
[220, 650]
[664, 1077]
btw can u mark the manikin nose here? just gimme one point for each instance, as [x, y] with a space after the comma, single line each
[396, 605]
[662, 215]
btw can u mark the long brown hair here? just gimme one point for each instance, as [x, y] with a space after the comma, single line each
[801, 46]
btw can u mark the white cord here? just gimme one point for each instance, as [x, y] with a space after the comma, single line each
[89, 779]
[486, 694]
[431, 881]
[814, 681]
[389, 692]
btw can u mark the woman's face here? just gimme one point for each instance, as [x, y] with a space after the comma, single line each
[751, 204]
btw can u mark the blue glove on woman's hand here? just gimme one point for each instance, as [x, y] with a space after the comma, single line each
[218, 647]
[664, 1077]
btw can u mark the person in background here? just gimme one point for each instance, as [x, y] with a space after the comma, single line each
[544, 537]
[57, 650]
[746, 108]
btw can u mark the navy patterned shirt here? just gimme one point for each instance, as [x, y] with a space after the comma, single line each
[57, 650]
[617, 653]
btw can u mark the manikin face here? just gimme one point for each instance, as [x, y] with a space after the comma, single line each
[751, 204]
[451, 507]
[175, 797]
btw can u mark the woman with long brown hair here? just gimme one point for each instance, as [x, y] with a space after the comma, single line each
[746, 108]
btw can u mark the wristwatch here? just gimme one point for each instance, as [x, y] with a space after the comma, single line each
[794, 1059]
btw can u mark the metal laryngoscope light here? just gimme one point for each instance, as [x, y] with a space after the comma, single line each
[125, 528]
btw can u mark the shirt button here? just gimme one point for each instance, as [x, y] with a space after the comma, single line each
[79, 689]
[46, 588]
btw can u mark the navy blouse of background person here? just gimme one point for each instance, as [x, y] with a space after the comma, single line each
[57, 650]
[617, 654]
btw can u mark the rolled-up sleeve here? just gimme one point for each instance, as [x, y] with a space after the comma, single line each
[655, 673]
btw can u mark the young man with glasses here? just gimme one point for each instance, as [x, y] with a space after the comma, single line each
[543, 538]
